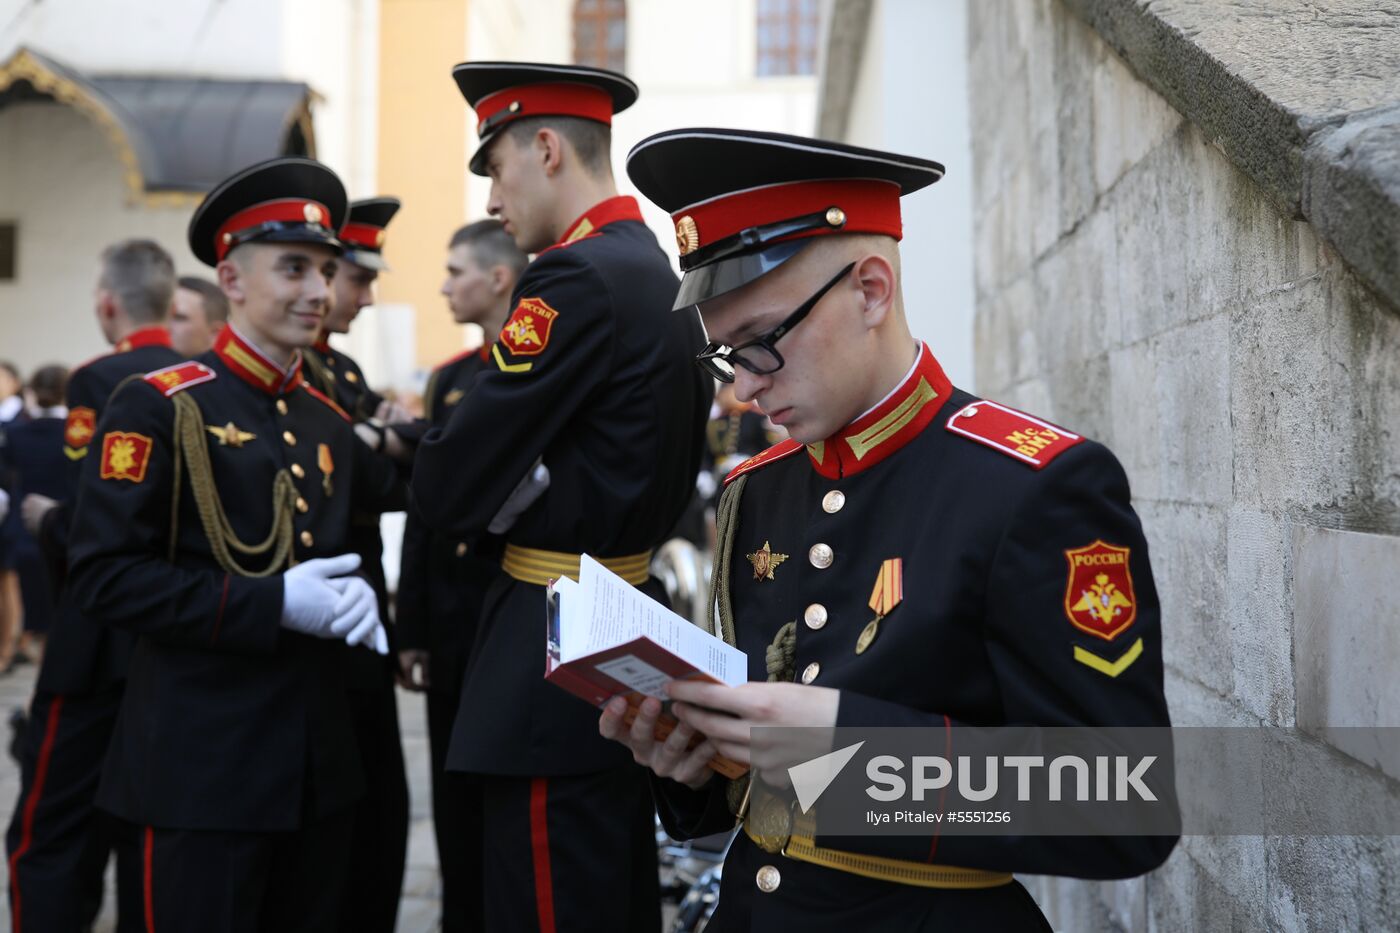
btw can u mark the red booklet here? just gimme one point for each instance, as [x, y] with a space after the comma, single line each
[606, 638]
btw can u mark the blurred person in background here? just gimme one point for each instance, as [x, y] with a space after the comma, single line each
[443, 582]
[199, 313]
[58, 842]
[35, 465]
[11, 604]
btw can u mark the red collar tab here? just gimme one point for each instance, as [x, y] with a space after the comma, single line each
[889, 426]
[364, 236]
[1014, 433]
[848, 205]
[249, 364]
[772, 454]
[561, 99]
[154, 336]
[322, 344]
[614, 209]
[282, 210]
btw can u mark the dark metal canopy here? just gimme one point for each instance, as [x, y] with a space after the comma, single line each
[173, 133]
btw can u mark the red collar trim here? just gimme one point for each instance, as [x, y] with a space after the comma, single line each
[249, 364]
[614, 209]
[154, 336]
[893, 423]
[323, 344]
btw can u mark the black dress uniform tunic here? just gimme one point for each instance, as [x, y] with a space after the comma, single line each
[986, 507]
[380, 845]
[592, 374]
[231, 723]
[57, 841]
[442, 585]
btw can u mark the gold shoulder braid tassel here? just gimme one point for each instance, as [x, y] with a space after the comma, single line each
[320, 375]
[778, 657]
[191, 446]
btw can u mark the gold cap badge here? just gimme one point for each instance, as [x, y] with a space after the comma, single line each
[687, 235]
[312, 213]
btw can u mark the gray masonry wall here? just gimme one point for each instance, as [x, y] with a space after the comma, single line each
[1135, 286]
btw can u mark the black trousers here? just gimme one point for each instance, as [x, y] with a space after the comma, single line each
[379, 843]
[571, 853]
[58, 842]
[224, 882]
[457, 816]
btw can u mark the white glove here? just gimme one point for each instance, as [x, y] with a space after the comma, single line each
[32, 510]
[319, 600]
[4, 504]
[521, 498]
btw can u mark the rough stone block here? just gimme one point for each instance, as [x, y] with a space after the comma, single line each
[1260, 569]
[1076, 292]
[1135, 431]
[1130, 119]
[1333, 883]
[1316, 404]
[1147, 212]
[1192, 410]
[1075, 49]
[1347, 625]
[1183, 896]
[1188, 545]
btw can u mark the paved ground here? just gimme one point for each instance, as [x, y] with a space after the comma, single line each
[418, 911]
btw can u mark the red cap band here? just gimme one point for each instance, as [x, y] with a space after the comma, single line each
[565, 99]
[365, 235]
[866, 205]
[284, 210]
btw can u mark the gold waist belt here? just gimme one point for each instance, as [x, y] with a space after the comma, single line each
[802, 847]
[531, 565]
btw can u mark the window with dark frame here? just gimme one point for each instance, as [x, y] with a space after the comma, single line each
[9, 240]
[600, 34]
[787, 37]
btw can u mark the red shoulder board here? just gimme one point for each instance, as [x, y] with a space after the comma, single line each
[1012, 432]
[317, 393]
[179, 377]
[772, 454]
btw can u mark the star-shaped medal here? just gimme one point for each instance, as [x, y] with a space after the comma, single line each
[765, 560]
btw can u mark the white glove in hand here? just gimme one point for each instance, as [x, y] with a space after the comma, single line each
[319, 600]
[4, 504]
[524, 495]
[357, 615]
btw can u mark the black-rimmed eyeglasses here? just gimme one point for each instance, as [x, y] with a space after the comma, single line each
[759, 356]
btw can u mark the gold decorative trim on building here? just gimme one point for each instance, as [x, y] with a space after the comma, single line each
[25, 67]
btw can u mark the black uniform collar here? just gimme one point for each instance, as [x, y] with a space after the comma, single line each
[617, 208]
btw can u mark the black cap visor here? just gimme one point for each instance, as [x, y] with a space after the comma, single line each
[724, 275]
[277, 232]
[365, 259]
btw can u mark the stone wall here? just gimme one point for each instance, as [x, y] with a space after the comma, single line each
[1135, 285]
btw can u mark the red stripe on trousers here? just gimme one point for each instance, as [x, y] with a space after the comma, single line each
[539, 848]
[146, 880]
[41, 771]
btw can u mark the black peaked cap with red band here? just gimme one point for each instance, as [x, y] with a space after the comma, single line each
[286, 200]
[363, 233]
[745, 202]
[502, 92]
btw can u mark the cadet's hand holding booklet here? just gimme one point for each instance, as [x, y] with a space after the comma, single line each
[607, 638]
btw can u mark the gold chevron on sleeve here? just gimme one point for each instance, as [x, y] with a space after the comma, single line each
[1105, 666]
